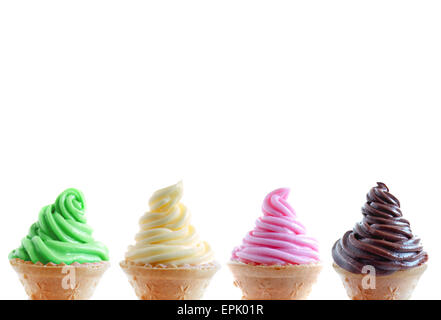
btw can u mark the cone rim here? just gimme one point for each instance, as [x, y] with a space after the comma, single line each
[293, 267]
[214, 265]
[400, 273]
[16, 262]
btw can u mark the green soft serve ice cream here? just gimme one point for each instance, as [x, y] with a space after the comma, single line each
[61, 234]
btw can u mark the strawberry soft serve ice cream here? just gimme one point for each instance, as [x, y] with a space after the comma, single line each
[276, 260]
[278, 237]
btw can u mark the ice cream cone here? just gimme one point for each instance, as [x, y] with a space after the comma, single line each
[396, 286]
[59, 282]
[290, 282]
[169, 283]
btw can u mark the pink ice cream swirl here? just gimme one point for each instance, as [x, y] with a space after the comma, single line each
[278, 238]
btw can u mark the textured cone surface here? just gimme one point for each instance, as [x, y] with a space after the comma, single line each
[293, 282]
[396, 286]
[59, 282]
[168, 283]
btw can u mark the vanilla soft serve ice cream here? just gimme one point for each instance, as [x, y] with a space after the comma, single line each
[166, 236]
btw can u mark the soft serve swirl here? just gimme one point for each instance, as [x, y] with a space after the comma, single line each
[278, 238]
[61, 234]
[383, 239]
[166, 235]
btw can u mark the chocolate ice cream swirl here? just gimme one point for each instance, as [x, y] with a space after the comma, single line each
[383, 239]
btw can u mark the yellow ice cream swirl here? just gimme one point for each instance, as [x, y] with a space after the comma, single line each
[166, 235]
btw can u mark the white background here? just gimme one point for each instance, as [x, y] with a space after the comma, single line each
[237, 98]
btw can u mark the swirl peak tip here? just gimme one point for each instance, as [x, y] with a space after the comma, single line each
[282, 192]
[382, 186]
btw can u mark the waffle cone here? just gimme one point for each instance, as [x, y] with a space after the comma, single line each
[168, 283]
[59, 282]
[290, 282]
[396, 286]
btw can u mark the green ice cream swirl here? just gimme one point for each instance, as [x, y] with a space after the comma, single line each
[61, 234]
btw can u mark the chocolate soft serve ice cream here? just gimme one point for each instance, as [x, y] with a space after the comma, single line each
[382, 240]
